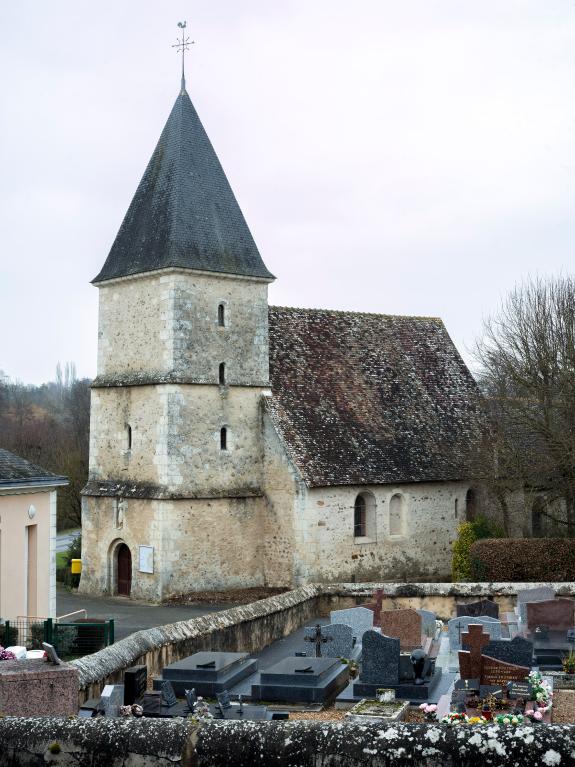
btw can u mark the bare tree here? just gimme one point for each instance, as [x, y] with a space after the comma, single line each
[527, 355]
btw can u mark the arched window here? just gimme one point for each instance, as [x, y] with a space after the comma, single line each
[470, 505]
[364, 516]
[397, 515]
[128, 437]
[222, 373]
[221, 315]
[359, 518]
[223, 438]
[537, 518]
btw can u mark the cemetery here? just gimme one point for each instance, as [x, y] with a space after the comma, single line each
[495, 667]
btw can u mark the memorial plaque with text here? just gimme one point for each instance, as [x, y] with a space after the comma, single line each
[496, 672]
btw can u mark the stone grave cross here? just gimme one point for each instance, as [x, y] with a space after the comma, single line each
[318, 639]
[476, 640]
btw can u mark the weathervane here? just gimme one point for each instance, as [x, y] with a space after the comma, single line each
[183, 45]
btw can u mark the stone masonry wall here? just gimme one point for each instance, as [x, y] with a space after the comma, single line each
[329, 552]
[198, 544]
[148, 742]
[167, 324]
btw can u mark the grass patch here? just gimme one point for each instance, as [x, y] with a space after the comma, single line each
[61, 559]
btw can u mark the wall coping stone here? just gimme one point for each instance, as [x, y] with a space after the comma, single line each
[116, 742]
[461, 589]
[122, 654]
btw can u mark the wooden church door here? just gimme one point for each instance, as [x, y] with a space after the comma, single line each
[124, 570]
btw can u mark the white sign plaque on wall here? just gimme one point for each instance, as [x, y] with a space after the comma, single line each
[146, 559]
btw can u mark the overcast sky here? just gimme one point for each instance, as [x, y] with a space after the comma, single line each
[403, 157]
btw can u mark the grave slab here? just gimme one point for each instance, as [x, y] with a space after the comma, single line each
[517, 650]
[428, 624]
[303, 680]
[112, 698]
[208, 672]
[135, 683]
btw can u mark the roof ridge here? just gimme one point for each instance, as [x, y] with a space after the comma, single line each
[345, 312]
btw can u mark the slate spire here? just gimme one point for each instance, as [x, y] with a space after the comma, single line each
[184, 213]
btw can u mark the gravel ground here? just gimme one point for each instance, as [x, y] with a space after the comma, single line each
[563, 710]
[330, 715]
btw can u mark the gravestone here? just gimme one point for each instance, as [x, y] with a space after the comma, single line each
[384, 665]
[558, 614]
[380, 659]
[538, 594]
[152, 703]
[168, 694]
[428, 625]
[375, 606]
[339, 640]
[484, 607]
[517, 650]
[496, 672]
[318, 637]
[403, 624]
[476, 640]
[224, 699]
[112, 699]
[191, 698]
[301, 680]
[135, 684]
[359, 618]
[522, 690]
[456, 627]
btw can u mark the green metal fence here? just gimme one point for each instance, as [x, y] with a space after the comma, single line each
[71, 640]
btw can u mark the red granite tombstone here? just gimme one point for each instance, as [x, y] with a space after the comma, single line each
[405, 625]
[375, 605]
[558, 614]
[497, 672]
[470, 660]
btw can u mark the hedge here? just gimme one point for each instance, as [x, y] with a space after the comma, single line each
[523, 559]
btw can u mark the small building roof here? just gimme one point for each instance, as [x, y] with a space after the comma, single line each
[184, 213]
[16, 471]
[362, 399]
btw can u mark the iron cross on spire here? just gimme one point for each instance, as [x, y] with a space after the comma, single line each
[183, 45]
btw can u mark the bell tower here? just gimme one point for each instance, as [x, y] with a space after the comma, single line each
[176, 453]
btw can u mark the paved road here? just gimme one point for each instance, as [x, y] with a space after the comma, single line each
[65, 538]
[130, 616]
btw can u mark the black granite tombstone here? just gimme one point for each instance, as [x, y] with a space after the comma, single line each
[168, 694]
[135, 684]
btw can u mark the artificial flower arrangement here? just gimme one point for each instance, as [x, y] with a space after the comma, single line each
[542, 695]
[6, 654]
[454, 717]
[509, 719]
[430, 711]
[201, 710]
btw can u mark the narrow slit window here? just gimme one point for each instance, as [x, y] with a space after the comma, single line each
[129, 436]
[221, 315]
[359, 517]
[223, 438]
[222, 373]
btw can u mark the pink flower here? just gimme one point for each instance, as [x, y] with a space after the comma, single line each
[423, 706]
[537, 715]
[530, 712]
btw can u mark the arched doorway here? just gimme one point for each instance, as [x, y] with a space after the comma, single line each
[124, 570]
[470, 506]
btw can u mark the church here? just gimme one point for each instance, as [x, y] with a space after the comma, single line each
[236, 444]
